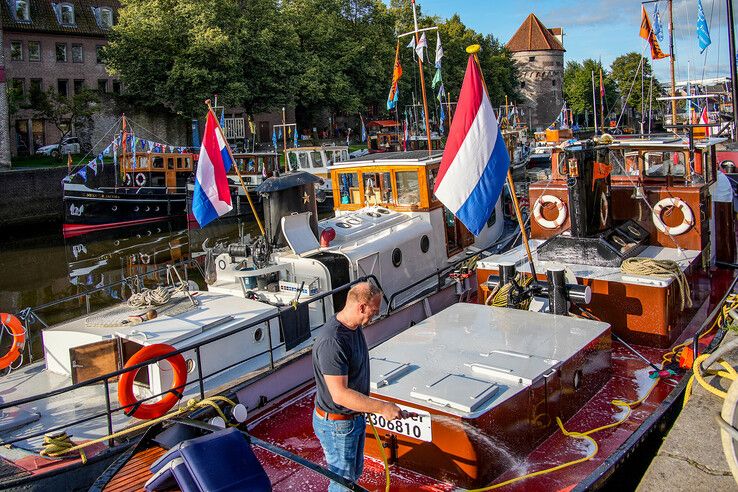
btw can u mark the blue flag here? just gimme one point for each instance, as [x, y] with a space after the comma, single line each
[222, 118]
[657, 29]
[703, 33]
[274, 137]
[296, 143]
[363, 129]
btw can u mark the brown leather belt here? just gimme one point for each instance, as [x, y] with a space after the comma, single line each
[333, 416]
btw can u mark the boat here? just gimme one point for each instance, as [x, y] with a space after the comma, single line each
[526, 386]
[317, 161]
[146, 183]
[254, 167]
[387, 136]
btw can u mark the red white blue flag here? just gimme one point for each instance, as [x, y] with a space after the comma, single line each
[475, 162]
[212, 196]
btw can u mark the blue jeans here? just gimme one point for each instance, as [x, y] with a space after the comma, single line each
[343, 446]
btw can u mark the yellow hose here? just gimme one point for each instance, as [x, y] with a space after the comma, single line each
[384, 457]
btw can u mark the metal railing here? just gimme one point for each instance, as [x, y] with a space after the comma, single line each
[200, 380]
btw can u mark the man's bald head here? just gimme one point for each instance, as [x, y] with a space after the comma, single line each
[362, 304]
[363, 292]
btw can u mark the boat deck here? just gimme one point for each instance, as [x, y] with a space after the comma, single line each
[134, 474]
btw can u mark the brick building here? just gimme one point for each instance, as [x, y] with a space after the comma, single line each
[53, 45]
[539, 55]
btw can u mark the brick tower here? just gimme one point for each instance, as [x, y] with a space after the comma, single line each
[539, 55]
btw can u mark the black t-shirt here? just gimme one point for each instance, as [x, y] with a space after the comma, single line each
[339, 351]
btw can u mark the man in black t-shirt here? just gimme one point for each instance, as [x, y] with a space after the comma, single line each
[341, 367]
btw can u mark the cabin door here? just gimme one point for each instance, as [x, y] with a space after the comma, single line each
[94, 359]
[457, 235]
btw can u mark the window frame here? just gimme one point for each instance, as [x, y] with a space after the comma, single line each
[37, 44]
[81, 53]
[98, 54]
[16, 55]
[105, 86]
[68, 7]
[65, 52]
[103, 11]
[66, 87]
[26, 17]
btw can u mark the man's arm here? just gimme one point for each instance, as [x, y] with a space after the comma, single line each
[353, 400]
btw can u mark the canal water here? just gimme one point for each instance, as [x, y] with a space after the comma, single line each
[41, 267]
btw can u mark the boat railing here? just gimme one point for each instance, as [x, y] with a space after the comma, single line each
[197, 347]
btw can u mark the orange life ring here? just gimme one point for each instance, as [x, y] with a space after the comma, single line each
[19, 339]
[147, 411]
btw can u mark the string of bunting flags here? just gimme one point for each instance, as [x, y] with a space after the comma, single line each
[123, 143]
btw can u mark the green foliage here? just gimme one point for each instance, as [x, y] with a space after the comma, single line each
[65, 112]
[578, 87]
[177, 53]
[627, 76]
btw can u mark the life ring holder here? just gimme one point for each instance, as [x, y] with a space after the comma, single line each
[658, 210]
[146, 411]
[19, 339]
[140, 179]
[538, 212]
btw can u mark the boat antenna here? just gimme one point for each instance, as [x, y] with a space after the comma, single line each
[238, 173]
[473, 50]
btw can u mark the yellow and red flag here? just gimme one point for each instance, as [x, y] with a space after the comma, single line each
[396, 74]
[648, 34]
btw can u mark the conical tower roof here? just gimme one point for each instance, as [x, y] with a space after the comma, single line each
[532, 35]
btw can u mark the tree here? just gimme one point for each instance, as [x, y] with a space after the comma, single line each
[578, 88]
[344, 54]
[177, 53]
[626, 73]
[67, 113]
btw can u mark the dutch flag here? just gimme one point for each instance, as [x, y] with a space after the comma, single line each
[212, 196]
[475, 162]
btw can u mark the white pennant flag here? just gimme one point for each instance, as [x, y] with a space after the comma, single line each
[423, 43]
[439, 50]
[411, 44]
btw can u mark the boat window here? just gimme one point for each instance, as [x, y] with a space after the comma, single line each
[432, 175]
[302, 158]
[180, 163]
[170, 163]
[344, 155]
[143, 162]
[188, 163]
[664, 163]
[408, 190]
[317, 159]
[157, 163]
[378, 189]
[349, 186]
[251, 165]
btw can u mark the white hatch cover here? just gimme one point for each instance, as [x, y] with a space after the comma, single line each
[299, 235]
[457, 391]
[385, 371]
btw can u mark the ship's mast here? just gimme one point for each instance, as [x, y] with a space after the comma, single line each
[671, 64]
[422, 81]
[733, 75]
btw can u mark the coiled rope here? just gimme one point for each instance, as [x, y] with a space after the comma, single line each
[500, 295]
[57, 445]
[666, 269]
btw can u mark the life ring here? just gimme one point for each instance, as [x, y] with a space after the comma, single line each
[604, 210]
[128, 180]
[140, 179]
[19, 339]
[538, 209]
[145, 411]
[687, 222]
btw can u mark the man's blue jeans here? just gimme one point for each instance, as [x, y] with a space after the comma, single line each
[343, 446]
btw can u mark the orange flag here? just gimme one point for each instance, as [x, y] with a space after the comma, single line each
[396, 74]
[648, 34]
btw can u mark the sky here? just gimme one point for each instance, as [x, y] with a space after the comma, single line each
[604, 29]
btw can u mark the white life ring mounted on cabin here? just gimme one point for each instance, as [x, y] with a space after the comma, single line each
[128, 180]
[658, 210]
[604, 210]
[140, 179]
[538, 212]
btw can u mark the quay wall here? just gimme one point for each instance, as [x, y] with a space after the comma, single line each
[31, 196]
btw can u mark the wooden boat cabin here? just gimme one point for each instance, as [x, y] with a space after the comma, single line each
[158, 170]
[384, 136]
[400, 182]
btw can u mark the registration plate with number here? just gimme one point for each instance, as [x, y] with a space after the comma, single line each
[417, 426]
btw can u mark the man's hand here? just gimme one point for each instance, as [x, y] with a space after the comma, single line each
[390, 411]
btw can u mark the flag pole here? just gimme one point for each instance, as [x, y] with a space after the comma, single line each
[422, 83]
[602, 103]
[238, 173]
[473, 50]
[284, 139]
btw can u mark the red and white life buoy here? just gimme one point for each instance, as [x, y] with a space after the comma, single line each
[604, 210]
[128, 180]
[19, 339]
[658, 211]
[140, 179]
[538, 212]
[133, 407]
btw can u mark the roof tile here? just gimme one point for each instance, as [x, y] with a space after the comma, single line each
[44, 20]
[532, 35]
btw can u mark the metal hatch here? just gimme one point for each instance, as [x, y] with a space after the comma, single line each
[384, 372]
[509, 365]
[299, 235]
[457, 391]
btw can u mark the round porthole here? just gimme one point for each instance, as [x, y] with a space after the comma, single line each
[424, 244]
[147, 208]
[373, 214]
[354, 220]
[343, 225]
[156, 209]
[383, 211]
[222, 264]
[115, 208]
[190, 365]
[135, 208]
[258, 335]
[396, 257]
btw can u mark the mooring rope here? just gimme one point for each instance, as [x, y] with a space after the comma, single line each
[660, 269]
